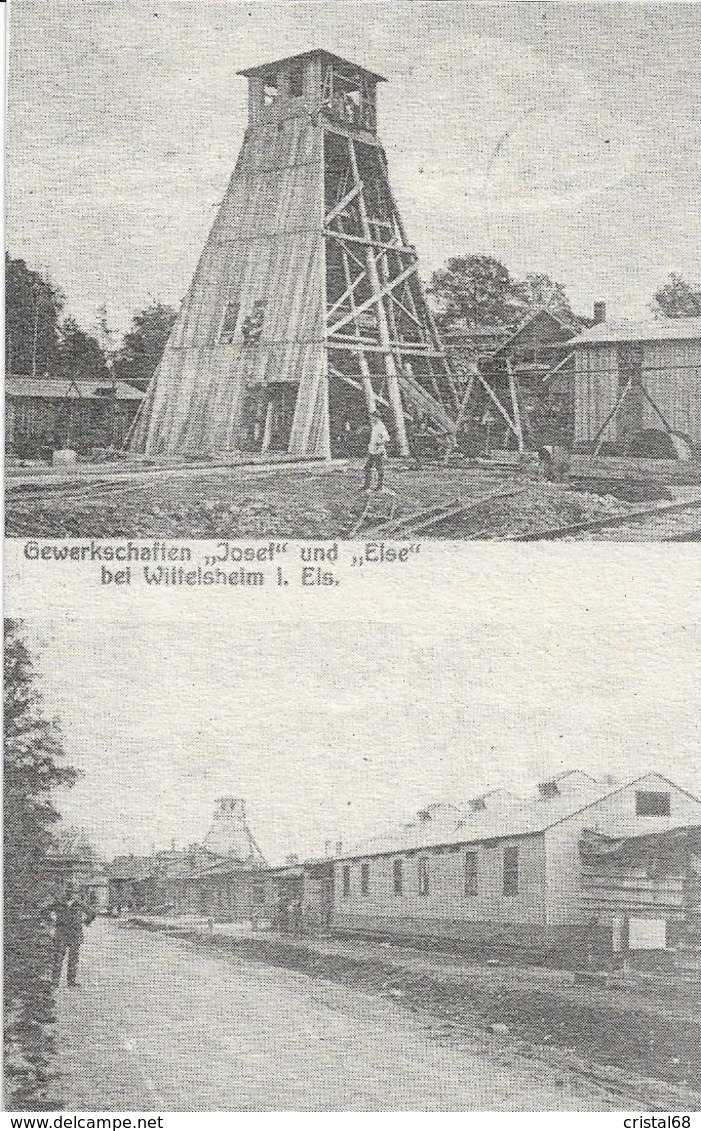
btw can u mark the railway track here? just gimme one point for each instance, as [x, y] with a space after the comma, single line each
[31, 488]
[671, 522]
[433, 518]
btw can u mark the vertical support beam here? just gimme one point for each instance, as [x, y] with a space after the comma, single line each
[514, 402]
[255, 99]
[368, 390]
[417, 279]
[323, 423]
[310, 429]
[325, 438]
[597, 442]
[395, 397]
[384, 277]
[268, 430]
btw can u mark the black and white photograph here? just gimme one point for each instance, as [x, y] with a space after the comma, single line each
[319, 270]
[324, 792]
[352, 885]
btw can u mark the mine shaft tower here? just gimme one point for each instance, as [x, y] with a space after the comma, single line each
[306, 311]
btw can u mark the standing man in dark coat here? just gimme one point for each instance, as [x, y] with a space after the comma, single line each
[71, 915]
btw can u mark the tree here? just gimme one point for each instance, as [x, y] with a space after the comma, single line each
[73, 842]
[474, 289]
[539, 291]
[677, 299]
[33, 307]
[478, 290]
[33, 770]
[80, 355]
[144, 343]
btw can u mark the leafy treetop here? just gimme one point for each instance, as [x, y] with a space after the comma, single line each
[677, 299]
[477, 290]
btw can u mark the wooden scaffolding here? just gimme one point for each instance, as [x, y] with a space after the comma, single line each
[306, 311]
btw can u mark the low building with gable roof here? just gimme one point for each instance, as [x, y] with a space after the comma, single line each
[503, 871]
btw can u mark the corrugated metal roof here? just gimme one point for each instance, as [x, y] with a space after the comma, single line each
[55, 388]
[185, 865]
[130, 868]
[233, 867]
[658, 330]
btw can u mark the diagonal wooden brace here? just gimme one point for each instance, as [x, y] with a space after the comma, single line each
[376, 298]
[343, 204]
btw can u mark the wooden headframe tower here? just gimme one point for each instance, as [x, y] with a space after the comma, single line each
[306, 311]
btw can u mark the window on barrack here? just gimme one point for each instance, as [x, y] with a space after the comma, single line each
[228, 326]
[511, 870]
[296, 82]
[424, 882]
[398, 874]
[471, 875]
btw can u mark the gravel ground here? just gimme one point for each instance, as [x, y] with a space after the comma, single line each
[319, 504]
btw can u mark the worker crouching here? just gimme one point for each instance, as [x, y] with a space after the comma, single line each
[554, 462]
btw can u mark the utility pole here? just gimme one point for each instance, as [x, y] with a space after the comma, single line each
[106, 343]
[35, 337]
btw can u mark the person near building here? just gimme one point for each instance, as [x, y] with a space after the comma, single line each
[377, 451]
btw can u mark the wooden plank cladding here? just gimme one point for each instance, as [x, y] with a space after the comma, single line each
[633, 378]
[307, 239]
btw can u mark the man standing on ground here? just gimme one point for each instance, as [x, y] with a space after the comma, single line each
[377, 451]
[71, 915]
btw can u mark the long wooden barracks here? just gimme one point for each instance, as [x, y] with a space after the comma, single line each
[583, 863]
[560, 869]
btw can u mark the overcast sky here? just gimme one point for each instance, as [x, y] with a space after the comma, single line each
[338, 729]
[561, 137]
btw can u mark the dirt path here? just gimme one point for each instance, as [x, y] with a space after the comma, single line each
[293, 502]
[158, 1025]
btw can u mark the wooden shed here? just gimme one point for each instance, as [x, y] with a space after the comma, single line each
[631, 377]
[45, 413]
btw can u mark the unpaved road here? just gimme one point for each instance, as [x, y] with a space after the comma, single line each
[159, 1026]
